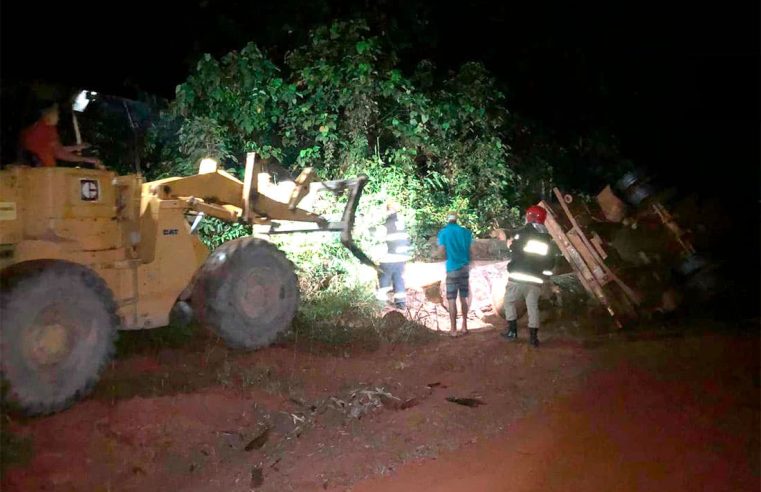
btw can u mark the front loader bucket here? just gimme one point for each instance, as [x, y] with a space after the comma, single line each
[355, 192]
[355, 187]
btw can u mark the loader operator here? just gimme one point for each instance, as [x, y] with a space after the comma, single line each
[397, 254]
[41, 145]
[531, 262]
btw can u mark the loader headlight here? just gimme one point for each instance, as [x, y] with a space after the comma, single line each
[208, 166]
[82, 100]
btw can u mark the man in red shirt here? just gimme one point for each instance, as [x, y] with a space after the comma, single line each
[43, 145]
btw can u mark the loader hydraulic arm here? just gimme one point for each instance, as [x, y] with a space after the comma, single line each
[216, 193]
[354, 186]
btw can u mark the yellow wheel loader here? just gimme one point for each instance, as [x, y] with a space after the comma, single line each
[85, 253]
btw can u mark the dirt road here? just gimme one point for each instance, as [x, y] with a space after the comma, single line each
[668, 413]
[679, 425]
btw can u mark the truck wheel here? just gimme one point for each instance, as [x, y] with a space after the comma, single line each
[246, 292]
[58, 325]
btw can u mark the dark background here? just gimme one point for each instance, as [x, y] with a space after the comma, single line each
[677, 83]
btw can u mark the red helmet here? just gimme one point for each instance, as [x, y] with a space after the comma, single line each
[536, 214]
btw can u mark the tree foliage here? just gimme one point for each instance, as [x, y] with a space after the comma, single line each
[341, 104]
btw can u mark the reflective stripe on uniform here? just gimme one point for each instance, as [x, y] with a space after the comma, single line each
[392, 258]
[396, 236]
[536, 247]
[524, 277]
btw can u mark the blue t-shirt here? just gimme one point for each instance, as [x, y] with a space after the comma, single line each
[456, 239]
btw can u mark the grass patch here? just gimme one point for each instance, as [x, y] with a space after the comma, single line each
[14, 450]
[333, 337]
[409, 333]
[337, 316]
[338, 303]
[351, 318]
[186, 369]
[132, 342]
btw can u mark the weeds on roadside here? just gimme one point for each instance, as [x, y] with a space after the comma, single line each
[14, 449]
[142, 341]
[352, 317]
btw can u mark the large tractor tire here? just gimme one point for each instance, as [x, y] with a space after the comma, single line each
[58, 326]
[246, 292]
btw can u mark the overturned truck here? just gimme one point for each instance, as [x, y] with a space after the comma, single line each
[627, 249]
[625, 254]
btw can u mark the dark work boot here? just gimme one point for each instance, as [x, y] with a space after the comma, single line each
[533, 337]
[512, 330]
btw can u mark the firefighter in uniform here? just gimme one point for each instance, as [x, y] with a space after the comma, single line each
[531, 262]
[397, 254]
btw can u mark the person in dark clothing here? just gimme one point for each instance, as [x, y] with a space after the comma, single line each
[531, 262]
[392, 263]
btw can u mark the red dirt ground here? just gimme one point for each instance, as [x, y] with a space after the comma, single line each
[668, 413]
[628, 429]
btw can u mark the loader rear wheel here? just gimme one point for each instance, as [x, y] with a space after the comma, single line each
[58, 328]
[246, 292]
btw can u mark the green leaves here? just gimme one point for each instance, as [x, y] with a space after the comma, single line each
[341, 104]
[214, 232]
[201, 137]
[362, 46]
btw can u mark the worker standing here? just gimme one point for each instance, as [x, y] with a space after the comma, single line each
[531, 262]
[454, 243]
[393, 262]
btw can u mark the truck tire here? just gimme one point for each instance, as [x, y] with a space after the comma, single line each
[246, 292]
[58, 326]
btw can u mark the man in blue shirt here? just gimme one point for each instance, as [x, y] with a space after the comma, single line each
[454, 243]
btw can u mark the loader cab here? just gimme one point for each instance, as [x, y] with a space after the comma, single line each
[96, 208]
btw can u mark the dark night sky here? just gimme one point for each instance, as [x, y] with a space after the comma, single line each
[677, 84]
